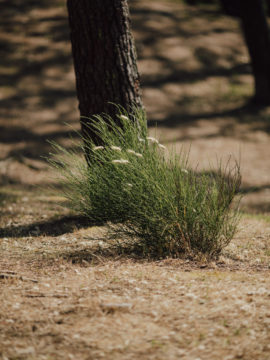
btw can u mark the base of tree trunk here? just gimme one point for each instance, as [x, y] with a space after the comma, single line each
[257, 101]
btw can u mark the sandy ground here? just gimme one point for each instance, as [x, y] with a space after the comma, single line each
[61, 298]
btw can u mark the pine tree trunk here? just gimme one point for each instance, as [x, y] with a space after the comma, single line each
[257, 37]
[268, 7]
[104, 58]
[255, 28]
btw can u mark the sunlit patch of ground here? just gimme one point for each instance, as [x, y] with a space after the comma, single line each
[65, 294]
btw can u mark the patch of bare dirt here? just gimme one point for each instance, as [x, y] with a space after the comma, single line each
[128, 309]
[66, 294]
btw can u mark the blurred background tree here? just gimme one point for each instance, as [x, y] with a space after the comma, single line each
[252, 14]
[253, 17]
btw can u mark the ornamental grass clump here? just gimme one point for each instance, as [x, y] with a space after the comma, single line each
[149, 197]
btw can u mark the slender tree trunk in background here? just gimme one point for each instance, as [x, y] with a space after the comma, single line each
[104, 58]
[268, 7]
[256, 32]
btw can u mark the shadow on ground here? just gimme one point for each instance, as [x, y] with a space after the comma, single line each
[243, 113]
[37, 92]
[51, 227]
[196, 59]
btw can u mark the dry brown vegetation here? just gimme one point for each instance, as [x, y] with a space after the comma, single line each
[65, 294]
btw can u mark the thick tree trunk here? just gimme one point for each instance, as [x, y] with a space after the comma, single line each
[257, 37]
[104, 57]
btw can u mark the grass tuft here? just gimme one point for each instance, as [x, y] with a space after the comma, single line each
[149, 196]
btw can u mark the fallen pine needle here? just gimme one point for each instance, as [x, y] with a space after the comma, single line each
[36, 295]
[111, 307]
[19, 277]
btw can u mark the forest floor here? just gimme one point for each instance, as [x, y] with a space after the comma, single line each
[61, 296]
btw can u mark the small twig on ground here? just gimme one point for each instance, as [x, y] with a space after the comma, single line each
[36, 295]
[9, 272]
[8, 275]
[98, 257]
[112, 307]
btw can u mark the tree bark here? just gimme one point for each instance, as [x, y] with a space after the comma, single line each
[256, 32]
[267, 7]
[104, 58]
[257, 37]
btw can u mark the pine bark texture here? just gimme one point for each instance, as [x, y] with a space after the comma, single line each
[256, 32]
[104, 57]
